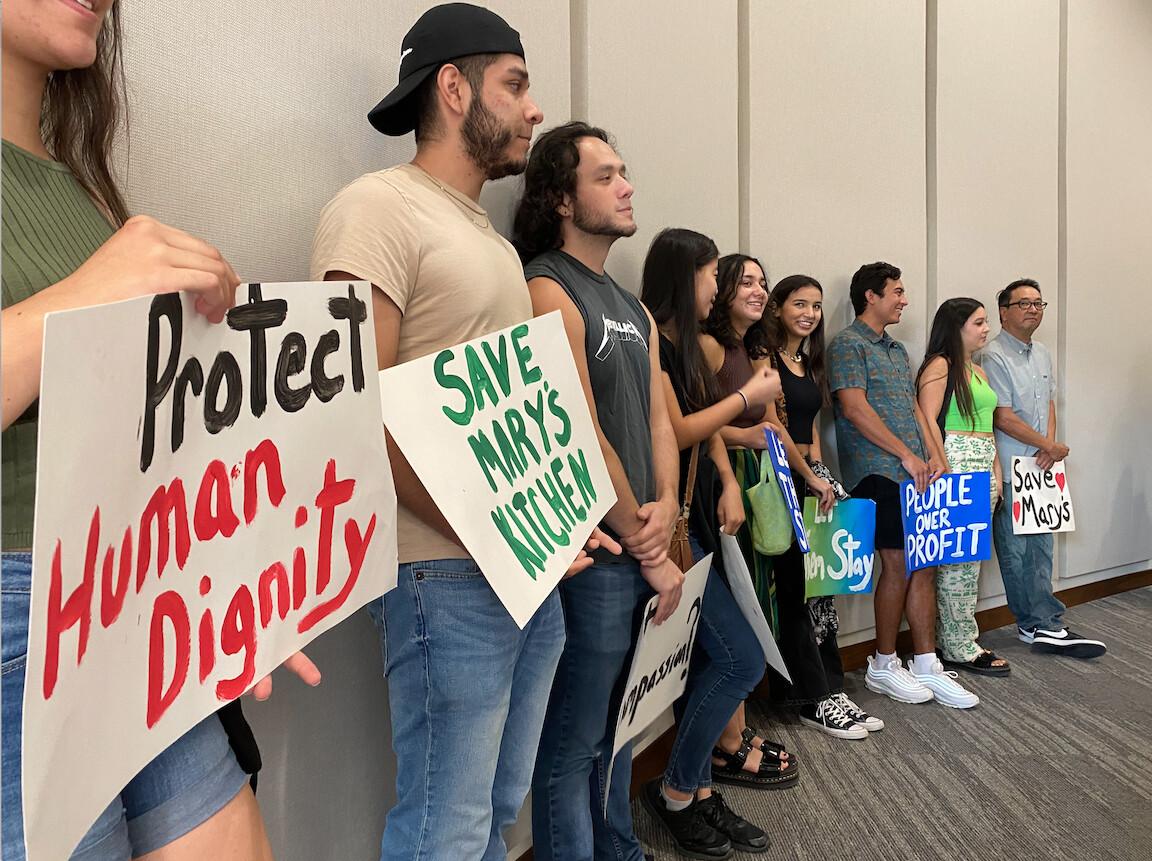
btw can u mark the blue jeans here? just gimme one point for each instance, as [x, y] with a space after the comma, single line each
[727, 663]
[568, 821]
[182, 787]
[1026, 568]
[467, 691]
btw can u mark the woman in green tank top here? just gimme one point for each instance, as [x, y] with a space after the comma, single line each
[69, 243]
[955, 390]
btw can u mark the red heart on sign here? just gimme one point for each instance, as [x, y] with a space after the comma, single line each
[1016, 512]
[1060, 480]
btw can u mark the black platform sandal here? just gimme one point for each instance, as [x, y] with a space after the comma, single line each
[771, 775]
[772, 748]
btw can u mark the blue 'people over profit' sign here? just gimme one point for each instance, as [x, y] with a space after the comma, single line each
[948, 523]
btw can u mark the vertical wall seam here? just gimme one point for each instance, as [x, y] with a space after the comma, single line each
[1062, 252]
[931, 201]
[743, 125]
[578, 51]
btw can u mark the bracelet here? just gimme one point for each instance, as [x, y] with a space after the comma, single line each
[744, 398]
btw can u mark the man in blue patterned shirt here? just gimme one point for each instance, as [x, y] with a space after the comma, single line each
[883, 439]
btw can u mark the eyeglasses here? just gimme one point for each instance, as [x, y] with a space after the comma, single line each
[1028, 304]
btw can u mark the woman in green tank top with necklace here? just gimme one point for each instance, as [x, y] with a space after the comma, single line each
[69, 243]
[955, 390]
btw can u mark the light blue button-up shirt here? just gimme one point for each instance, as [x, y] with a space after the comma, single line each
[1022, 377]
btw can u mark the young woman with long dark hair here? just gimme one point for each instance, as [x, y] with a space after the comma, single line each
[69, 243]
[679, 286]
[749, 327]
[679, 283]
[955, 391]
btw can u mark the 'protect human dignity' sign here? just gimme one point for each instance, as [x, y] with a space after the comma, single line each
[948, 523]
[210, 497]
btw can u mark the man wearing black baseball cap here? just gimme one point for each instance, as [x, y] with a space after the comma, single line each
[467, 687]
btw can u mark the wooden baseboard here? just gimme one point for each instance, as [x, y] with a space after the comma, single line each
[651, 761]
[855, 656]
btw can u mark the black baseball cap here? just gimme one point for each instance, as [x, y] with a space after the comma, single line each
[441, 34]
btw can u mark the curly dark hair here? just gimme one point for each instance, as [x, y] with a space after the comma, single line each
[550, 175]
[719, 323]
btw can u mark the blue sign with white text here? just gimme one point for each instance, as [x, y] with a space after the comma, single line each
[779, 459]
[950, 522]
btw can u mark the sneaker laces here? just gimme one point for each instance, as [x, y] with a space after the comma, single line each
[905, 675]
[829, 711]
[850, 708]
[949, 676]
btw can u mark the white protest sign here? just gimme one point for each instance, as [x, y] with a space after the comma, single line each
[660, 661]
[209, 499]
[1041, 501]
[500, 434]
[740, 582]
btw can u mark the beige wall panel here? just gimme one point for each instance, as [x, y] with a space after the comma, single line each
[243, 127]
[836, 175]
[997, 158]
[1108, 317]
[662, 78]
[997, 123]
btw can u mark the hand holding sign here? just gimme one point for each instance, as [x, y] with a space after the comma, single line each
[660, 661]
[779, 456]
[145, 257]
[1041, 501]
[297, 662]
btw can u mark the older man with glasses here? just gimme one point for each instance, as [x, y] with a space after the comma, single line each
[1020, 372]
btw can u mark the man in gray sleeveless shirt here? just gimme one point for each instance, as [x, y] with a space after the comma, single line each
[576, 204]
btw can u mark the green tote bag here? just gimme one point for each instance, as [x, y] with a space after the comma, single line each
[771, 521]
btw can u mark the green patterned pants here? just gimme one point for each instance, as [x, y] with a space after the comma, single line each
[957, 586]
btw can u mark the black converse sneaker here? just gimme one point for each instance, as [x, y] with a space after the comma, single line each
[743, 835]
[857, 714]
[1062, 642]
[827, 715]
[689, 830]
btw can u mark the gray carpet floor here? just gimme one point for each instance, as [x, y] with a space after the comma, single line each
[1055, 763]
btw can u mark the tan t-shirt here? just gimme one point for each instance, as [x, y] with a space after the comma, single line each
[434, 252]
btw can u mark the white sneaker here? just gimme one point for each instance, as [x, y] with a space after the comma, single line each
[894, 681]
[869, 722]
[944, 686]
[828, 716]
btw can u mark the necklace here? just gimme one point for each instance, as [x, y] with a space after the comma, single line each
[481, 221]
[798, 358]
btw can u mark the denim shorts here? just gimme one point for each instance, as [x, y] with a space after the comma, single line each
[182, 787]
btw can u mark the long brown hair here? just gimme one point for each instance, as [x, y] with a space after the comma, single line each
[812, 345]
[730, 270]
[81, 114]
